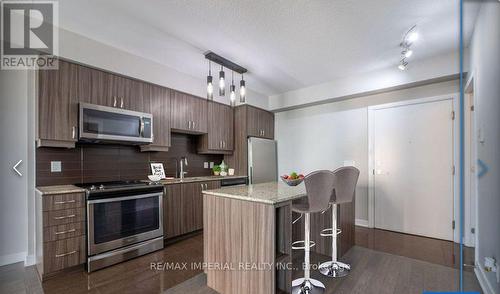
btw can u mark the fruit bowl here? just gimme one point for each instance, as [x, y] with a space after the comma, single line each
[292, 180]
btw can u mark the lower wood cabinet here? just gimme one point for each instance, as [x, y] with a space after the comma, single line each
[183, 207]
[60, 235]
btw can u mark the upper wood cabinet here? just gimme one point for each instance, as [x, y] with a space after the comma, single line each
[219, 138]
[260, 123]
[157, 102]
[249, 121]
[58, 106]
[188, 114]
[95, 87]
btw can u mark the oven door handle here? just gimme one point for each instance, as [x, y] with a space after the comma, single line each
[124, 198]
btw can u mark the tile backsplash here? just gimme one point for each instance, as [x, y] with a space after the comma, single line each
[99, 162]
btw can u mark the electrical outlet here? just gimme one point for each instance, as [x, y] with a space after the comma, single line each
[55, 167]
[211, 164]
[205, 164]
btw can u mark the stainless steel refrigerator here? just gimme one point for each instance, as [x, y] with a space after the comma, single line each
[262, 160]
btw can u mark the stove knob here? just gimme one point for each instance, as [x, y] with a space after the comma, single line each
[101, 187]
[92, 188]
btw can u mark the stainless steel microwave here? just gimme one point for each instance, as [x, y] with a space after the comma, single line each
[99, 123]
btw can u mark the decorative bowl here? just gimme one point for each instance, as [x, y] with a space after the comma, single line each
[154, 178]
[291, 182]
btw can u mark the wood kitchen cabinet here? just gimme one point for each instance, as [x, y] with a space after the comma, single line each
[260, 123]
[220, 136]
[183, 207]
[58, 106]
[157, 102]
[249, 121]
[188, 114]
[60, 232]
[95, 87]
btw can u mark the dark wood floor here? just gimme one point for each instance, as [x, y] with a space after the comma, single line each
[422, 248]
[374, 271]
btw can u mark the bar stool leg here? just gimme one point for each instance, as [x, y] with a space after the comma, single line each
[334, 268]
[307, 285]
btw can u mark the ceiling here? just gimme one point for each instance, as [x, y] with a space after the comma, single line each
[285, 44]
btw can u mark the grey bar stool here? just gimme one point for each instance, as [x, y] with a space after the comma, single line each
[345, 180]
[319, 189]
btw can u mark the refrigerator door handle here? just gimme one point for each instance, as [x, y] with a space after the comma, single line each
[251, 175]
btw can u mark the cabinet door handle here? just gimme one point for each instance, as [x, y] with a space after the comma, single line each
[65, 254]
[73, 132]
[66, 232]
[189, 124]
[194, 124]
[121, 102]
[64, 202]
[201, 185]
[114, 101]
[223, 144]
[64, 217]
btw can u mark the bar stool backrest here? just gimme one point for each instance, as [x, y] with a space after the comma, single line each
[319, 189]
[345, 181]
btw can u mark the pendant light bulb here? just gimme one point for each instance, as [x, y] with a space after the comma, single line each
[222, 83]
[243, 91]
[232, 89]
[210, 86]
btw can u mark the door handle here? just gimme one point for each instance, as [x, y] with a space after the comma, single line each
[194, 124]
[121, 102]
[65, 254]
[66, 232]
[73, 132]
[189, 124]
[64, 202]
[141, 129]
[64, 217]
[114, 101]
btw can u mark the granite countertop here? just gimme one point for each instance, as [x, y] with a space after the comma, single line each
[60, 189]
[268, 193]
[198, 179]
[65, 189]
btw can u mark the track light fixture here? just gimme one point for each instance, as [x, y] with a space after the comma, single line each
[210, 86]
[403, 64]
[409, 38]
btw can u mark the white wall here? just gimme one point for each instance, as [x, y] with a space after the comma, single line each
[485, 64]
[324, 136]
[87, 51]
[14, 147]
[392, 78]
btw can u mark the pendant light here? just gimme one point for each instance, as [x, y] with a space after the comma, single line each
[232, 89]
[210, 86]
[222, 83]
[243, 90]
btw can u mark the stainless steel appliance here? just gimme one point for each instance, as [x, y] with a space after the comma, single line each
[124, 220]
[262, 160]
[101, 123]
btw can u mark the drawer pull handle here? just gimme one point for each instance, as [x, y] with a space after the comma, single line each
[66, 254]
[66, 232]
[63, 217]
[64, 202]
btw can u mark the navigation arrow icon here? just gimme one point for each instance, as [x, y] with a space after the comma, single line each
[15, 168]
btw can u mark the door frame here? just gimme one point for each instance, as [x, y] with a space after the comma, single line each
[470, 199]
[456, 160]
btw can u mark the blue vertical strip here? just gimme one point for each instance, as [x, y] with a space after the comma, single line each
[462, 143]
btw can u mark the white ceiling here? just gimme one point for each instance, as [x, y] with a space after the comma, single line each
[285, 44]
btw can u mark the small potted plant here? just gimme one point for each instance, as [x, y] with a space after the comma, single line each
[216, 169]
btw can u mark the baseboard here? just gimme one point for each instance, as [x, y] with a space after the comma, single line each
[30, 260]
[12, 258]
[483, 281]
[361, 222]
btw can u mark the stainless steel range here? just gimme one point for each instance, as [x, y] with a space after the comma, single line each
[124, 220]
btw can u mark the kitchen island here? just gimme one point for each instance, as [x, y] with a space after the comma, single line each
[248, 234]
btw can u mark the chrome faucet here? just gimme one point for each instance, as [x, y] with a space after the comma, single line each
[184, 161]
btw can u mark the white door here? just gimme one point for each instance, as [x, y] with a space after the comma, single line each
[413, 163]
